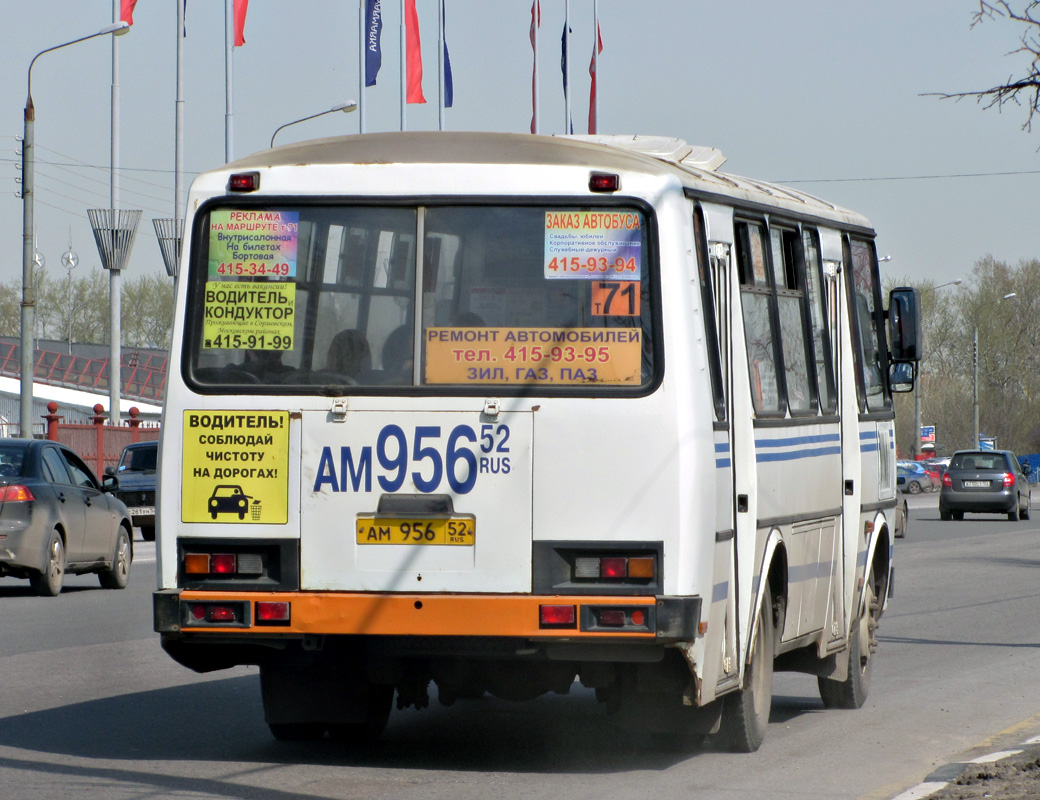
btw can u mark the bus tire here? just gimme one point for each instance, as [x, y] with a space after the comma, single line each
[297, 731]
[852, 692]
[148, 533]
[945, 515]
[377, 712]
[745, 712]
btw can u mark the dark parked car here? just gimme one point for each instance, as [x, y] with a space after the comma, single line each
[136, 473]
[57, 519]
[985, 481]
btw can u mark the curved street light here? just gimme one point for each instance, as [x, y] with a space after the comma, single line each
[28, 298]
[344, 107]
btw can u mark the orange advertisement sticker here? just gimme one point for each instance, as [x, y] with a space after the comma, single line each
[558, 356]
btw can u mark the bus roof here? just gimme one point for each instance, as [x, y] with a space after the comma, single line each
[695, 167]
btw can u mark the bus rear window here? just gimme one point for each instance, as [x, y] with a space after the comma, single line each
[294, 298]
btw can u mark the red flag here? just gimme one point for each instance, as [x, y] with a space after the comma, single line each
[126, 11]
[413, 54]
[536, 22]
[596, 50]
[240, 8]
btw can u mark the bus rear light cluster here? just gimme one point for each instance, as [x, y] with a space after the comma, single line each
[557, 616]
[223, 564]
[273, 613]
[614, 568]
[620, 618]
[221, 614]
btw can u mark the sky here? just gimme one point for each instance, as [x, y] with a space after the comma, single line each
[824, 96]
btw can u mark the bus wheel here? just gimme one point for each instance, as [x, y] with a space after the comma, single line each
[377, 712]
[852, 692]
[745, 712]
[297, 731]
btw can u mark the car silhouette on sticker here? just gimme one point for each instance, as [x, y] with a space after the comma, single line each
[228, 499]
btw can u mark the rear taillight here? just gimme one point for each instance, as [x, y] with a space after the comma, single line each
[16, 493]
[272, 612]
[947, 480]
[1009, 480]
[614, 567]
[557, 616]
[223, 564]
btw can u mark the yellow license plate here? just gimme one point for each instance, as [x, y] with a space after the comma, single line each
[395, 530]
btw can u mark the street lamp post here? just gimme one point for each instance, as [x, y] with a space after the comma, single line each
[28, 289]
[975, 378]
[344, 107]
[917, 386]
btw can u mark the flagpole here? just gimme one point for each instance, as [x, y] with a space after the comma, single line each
[362, 50]
[567, 67]
[178, 120]
[440, 66]
[115, 355]
[404, 70]
[229, 102]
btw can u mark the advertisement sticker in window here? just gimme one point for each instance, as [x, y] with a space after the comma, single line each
[593, 245]
[253, 243]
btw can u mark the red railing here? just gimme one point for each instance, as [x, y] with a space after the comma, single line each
[99, 444]
[143, 375]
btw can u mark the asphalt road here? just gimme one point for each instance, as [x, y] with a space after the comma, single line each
[91, 708]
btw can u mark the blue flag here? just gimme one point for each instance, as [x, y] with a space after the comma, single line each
[373, 30]
[449, 92]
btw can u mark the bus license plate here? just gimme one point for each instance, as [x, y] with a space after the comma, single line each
[394, 530]
[976, 484]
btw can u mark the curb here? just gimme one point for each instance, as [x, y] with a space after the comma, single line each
[949, 773]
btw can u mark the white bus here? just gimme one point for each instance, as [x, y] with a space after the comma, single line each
[496, 413]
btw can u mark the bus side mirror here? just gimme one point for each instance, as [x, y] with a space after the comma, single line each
[903, 325]
[901, 376]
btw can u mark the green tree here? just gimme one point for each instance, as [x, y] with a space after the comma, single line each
[80, 306]
[1008, 360]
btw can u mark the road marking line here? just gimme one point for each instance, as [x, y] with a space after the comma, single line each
[921, 790]
[994, 757]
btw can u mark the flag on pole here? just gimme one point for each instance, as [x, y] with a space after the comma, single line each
[597, 48]
[413, 56]
[240, 8]
[373, 33]
[126, 11]
[563, 67]
[536, 22]
[449, 91]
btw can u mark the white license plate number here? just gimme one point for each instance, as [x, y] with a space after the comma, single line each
[141, 511]
[976, 484]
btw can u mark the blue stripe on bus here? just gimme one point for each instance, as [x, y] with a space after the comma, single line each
[720, 591]
[722, 463]
[797, 442]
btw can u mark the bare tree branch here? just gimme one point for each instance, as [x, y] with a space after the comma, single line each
[1022, 91]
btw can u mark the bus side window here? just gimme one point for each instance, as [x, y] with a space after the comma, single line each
[868, 333]
[818, 320]
[714, 321]
[790, 298]
[759, 333]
